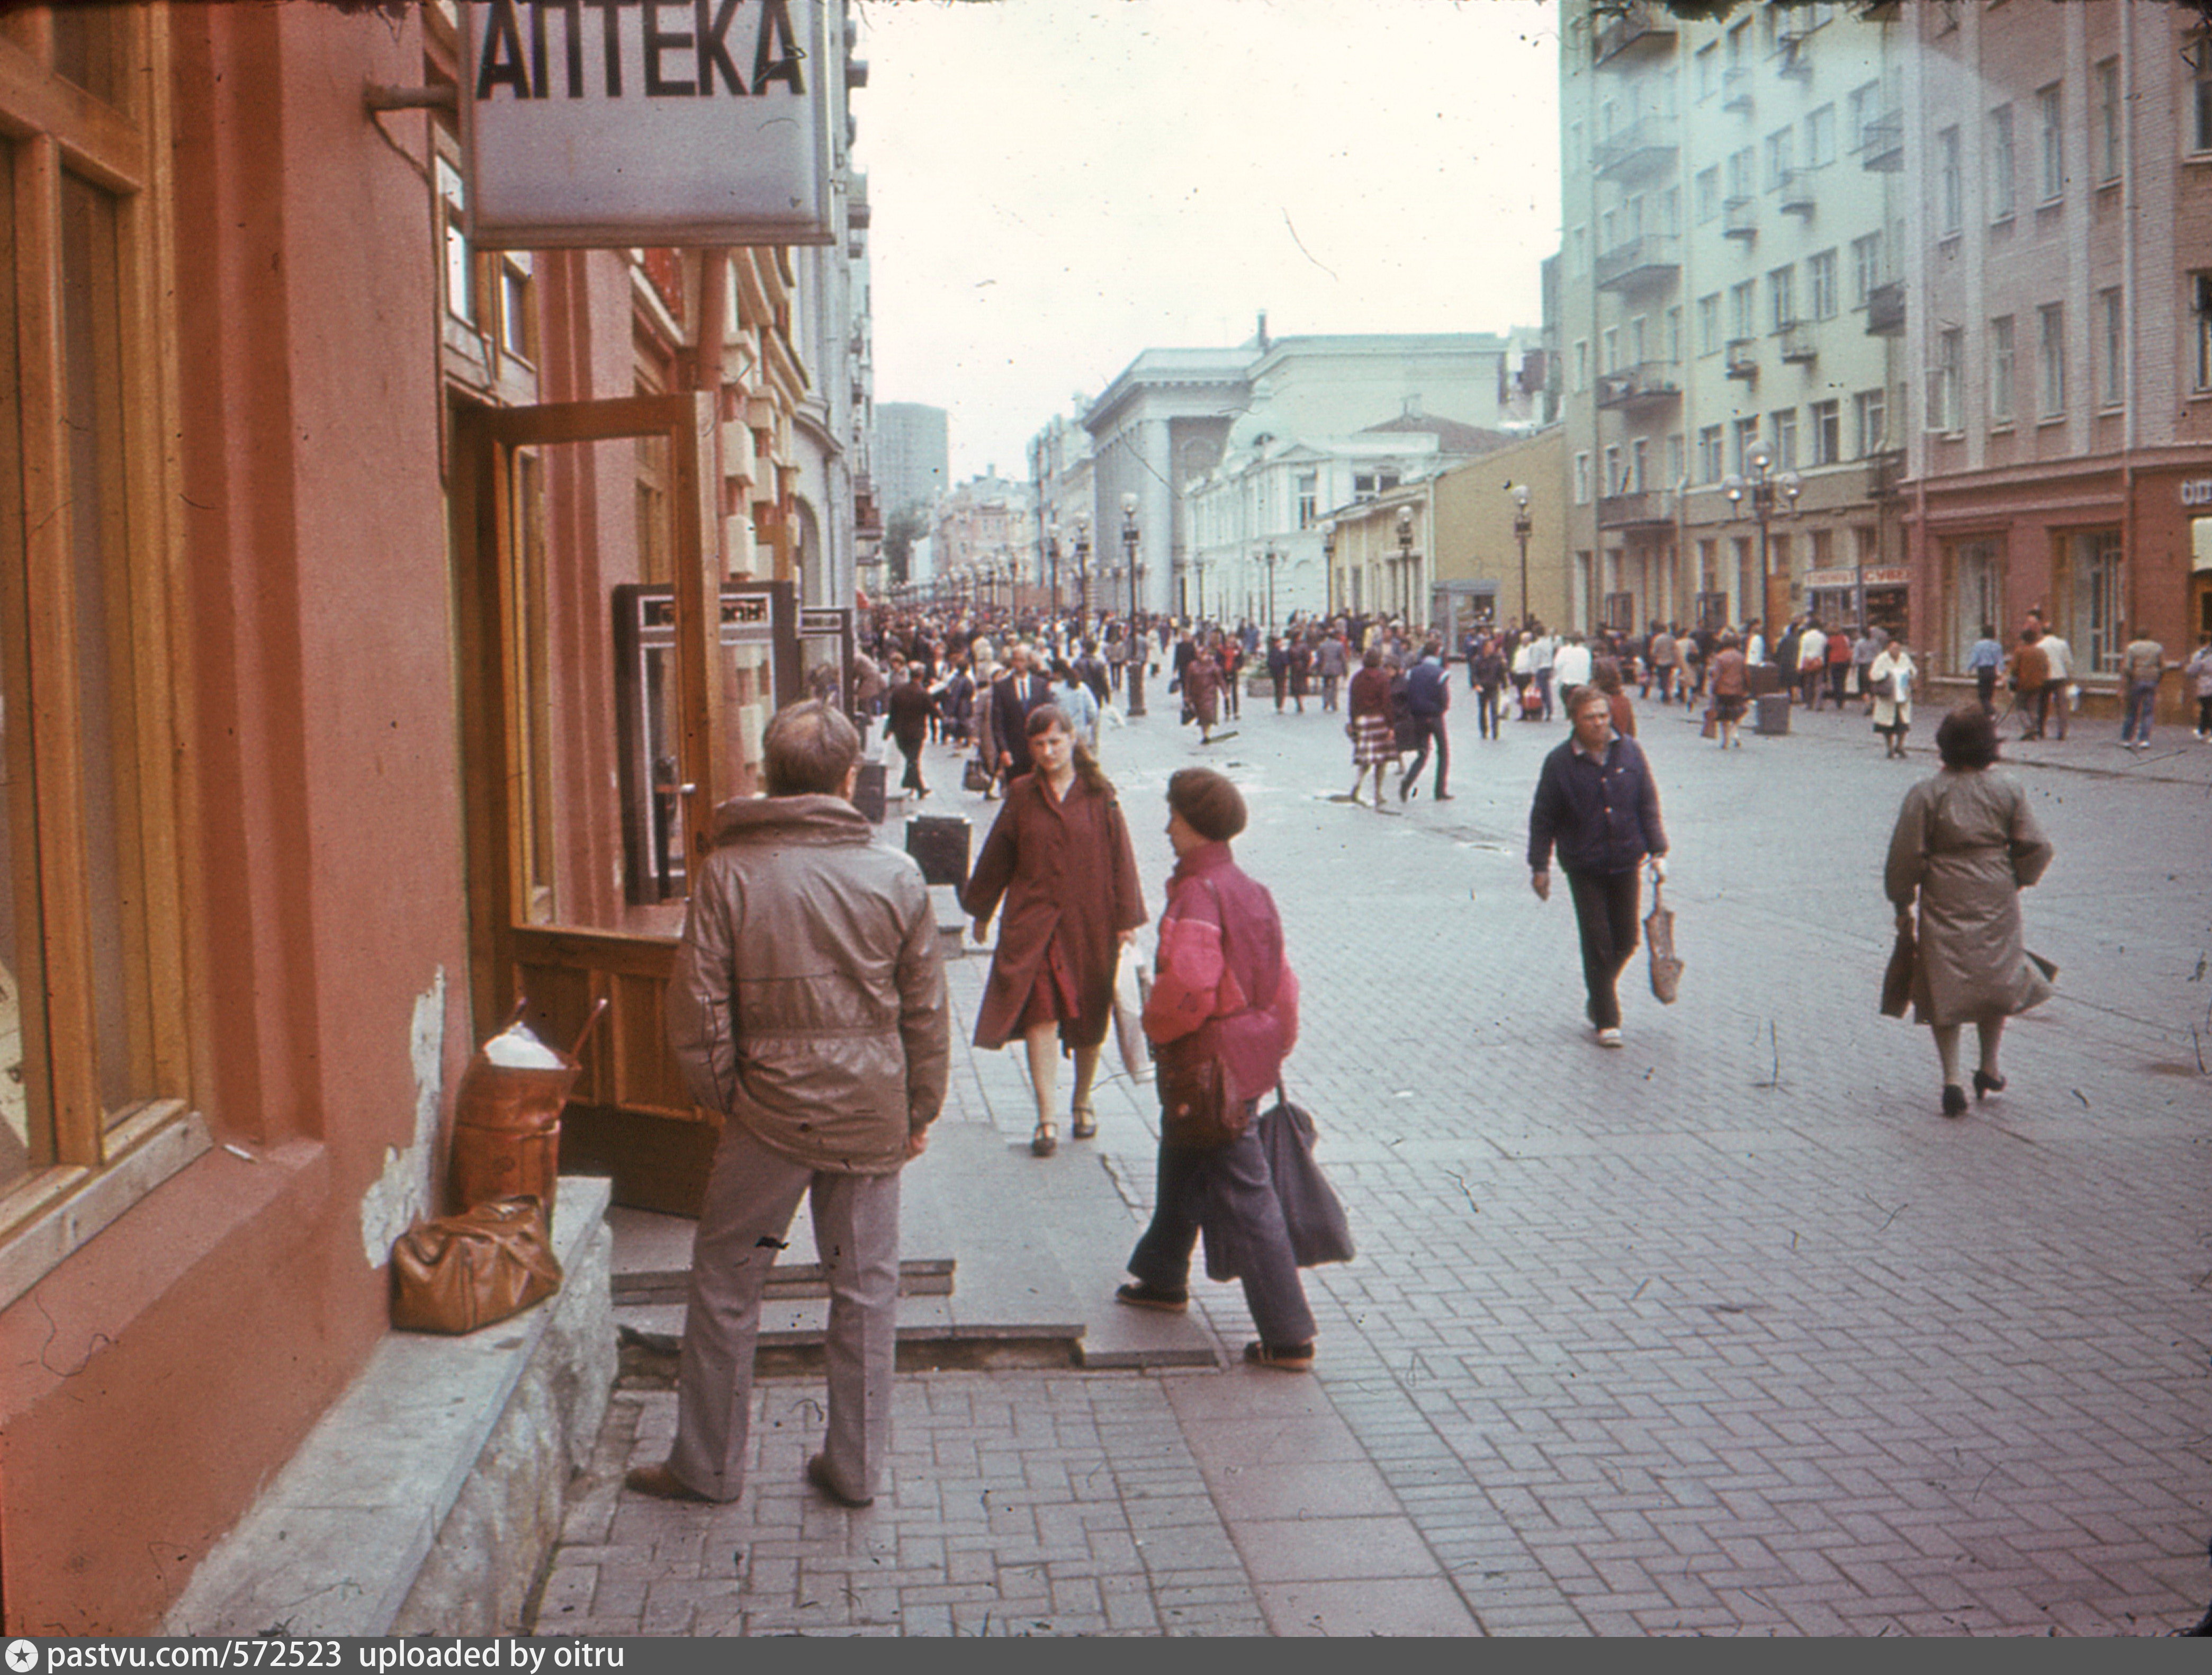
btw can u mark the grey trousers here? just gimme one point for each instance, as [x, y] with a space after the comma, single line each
[751, 1195]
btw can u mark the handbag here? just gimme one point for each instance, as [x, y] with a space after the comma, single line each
[1883, 685]
[1897, 975]
[975, 777]
[1312, 1213]
[1195, 1109]
[462, 1272]
[1659, 939]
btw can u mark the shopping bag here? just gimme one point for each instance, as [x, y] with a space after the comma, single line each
[1130, 983]
[1897, 975]
[1312, 1213]
[1659, 940]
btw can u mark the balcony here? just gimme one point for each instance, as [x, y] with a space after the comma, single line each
[1881, 143]
[1885, 474]
[1740, 218]
[1644, 147]
[1656, 258]
[1635, 31]
[1735, 88]
[1792, 56]
[1885, 310]
[1796, 196]
[1640, 508]
[1740, 359]
[1798, 348]
[1633, 389]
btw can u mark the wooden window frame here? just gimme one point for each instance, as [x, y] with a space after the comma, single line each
[53, 129]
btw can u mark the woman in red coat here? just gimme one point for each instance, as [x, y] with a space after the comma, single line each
[1059, 858]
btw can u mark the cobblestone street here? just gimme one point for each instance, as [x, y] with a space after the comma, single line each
[1729, 1331]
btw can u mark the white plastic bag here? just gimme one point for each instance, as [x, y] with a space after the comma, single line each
[1131, 983]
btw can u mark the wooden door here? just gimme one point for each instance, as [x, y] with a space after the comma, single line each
[543, 502]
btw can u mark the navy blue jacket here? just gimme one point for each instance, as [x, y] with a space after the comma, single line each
[1428, 691]
[1604, 820]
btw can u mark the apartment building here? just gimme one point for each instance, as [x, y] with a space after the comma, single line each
[2059, 175]
[1729, 314]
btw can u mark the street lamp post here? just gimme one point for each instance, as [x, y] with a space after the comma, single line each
[1405, 588]
[1765, 486]
[1523, 527]
[1140, 648]
[1270, 557]
[1329, 566]
[1083, 564]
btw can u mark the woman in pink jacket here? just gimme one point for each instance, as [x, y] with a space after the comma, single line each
[1222, 1017]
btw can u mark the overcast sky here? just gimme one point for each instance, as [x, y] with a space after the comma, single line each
[1057, 185]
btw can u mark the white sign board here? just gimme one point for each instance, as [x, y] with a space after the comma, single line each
[614, 122]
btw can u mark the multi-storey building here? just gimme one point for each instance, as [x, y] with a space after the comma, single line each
[2059, 168]
[1065, 499]
[983, 535]
[1727, 312]
[912, 462]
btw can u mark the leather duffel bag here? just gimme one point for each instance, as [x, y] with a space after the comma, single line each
[461, 1272]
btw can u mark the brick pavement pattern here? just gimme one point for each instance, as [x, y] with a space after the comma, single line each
[1727, 1332]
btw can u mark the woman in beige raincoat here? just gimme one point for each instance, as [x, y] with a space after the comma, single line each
[1964, 847]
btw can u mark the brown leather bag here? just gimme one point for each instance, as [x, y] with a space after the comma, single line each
[1195, 1109]
[464, 1271]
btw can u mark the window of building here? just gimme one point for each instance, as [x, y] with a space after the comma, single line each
[1706, 66]
[1678, 458]
[2108, 120]
[1582, 480]
[2001, 164]
[1709, 327]
[1609, 230]
[1638, 341]
[2112, 350]
[1363, 485]
[1613, 479]
[1669, 210]
[1827, 427]
[1820, 138]
[518, 324]
[1709, 466]
[1820, 283]
[1640, 452]
[2051, 138]
[1861, 109]
[1950, 197]
[92, 1017]
[2050, 359]
[1866, 268]
[1741, 165]
[1782, 297]
[1868, 410]
[1743, 308]
[1737, 39]
[1942, 405]
[1743, 436]
[1785, 438]
[2099, 635]
[1308, 498]
[1781, 156]
[2200, 103]
[2001, 362]
[1977, 595]
[1706, 194]
[1674, 336]
[460, 265]
[1609, 349]
[1582, 364]
[2200, 331]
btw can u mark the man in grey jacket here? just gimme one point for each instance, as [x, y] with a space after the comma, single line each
[808, 1006]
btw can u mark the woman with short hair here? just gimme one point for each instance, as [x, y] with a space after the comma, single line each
[1965, 846]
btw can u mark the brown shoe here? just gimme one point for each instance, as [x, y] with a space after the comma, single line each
[662, 1484]
[1138, 1294]
[817, 1473]
[1286, 1358]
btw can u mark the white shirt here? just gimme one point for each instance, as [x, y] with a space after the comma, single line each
[1571, 666]
[1755, 652]
[2061, 655]
[1812, 649]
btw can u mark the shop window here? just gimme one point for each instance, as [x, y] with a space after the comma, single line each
[2099, 633]
[2200, 331]
[1977, 595]
[92, 1051]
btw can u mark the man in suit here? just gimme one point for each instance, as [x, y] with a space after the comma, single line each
[1014, 695]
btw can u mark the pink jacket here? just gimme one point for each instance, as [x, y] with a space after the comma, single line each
[1221, 985]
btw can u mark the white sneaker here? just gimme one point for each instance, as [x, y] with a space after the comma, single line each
[1608, 1037]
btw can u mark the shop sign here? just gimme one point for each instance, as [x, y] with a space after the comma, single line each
[1877, 575]
[617, 122]
[2196, 492]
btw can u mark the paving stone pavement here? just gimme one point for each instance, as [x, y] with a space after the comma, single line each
[1727, 1333]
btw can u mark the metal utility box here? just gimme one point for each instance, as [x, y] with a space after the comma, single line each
[1773, 714]
[940, 843]
[868, 793]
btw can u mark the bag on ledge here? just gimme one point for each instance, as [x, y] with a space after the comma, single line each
[462, 1272]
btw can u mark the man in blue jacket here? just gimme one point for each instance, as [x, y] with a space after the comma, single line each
[1428, 695]
[1596, 801]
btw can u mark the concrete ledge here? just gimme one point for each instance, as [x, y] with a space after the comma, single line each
[430, 1494]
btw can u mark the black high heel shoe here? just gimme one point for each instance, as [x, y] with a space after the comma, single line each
[1986, 1083]
[1955, 1099]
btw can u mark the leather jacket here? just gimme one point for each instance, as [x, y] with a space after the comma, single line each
[808, 999]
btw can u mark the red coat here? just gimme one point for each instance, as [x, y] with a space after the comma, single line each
[1062, 869]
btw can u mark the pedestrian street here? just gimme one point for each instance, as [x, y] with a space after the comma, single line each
[1729, 1331]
